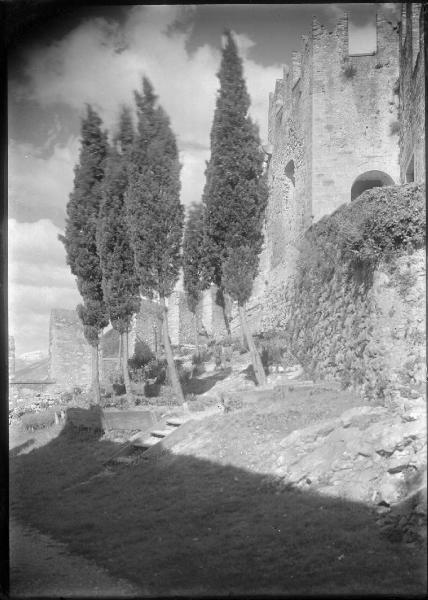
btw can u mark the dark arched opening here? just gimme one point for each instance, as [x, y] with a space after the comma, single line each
[368, 180]
[289, 172]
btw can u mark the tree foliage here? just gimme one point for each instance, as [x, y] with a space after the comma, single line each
[81, 224]
[239, 271]
[193, 255]
[119, 280]
[235, 193]
[154, 212]
[155, 215]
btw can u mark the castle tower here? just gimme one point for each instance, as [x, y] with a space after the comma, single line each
[333, 127]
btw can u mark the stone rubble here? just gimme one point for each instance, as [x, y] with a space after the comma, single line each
[368, 454]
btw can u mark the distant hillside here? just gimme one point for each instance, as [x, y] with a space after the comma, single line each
[37, 371]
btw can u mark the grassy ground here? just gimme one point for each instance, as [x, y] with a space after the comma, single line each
[215, 524]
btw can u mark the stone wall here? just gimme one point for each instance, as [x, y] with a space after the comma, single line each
[372, 340]
[180, 320]
[412, 93]
[210, 314]
[355, 309]
[332, 121]
[146, 326]
[69, 352]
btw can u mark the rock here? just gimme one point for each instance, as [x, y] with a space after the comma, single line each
[400, 461]
[362, 415]
[390, 489]
[396, 436]
[360, 447]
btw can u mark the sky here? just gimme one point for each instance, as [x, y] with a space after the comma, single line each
[59, 61]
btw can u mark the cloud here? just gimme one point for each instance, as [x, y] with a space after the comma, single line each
[39, 186]
[101, 62]
[39, 280]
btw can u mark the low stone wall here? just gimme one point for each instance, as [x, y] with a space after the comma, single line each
[97, 419]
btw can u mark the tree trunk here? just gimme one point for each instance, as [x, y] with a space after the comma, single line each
[221, 301]
[242, 336]
[156, 340]
[255, 357]
[126, 378]
[196, 330]
[96, 375]
[173, 376]
[119, 358]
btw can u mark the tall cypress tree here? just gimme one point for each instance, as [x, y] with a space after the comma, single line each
[80, 234]
[235, 193]
[155, 215]
[119, 280]
[193, 255]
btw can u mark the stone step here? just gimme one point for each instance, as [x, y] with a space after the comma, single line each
[147, 442]
[176, 421]
[124, 460]
[161, 433]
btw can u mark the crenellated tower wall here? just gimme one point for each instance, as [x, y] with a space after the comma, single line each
[333, 119]
[412, 93]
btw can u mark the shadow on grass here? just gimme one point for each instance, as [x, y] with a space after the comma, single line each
[15, 451]
[192, 386]
[250, 374]
[200, 386]
[177, 524]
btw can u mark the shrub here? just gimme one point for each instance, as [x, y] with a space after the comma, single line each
[388, 219]
[120, 401]
[198, 370]
[156, 369]
[380, 222]
[141, 357]
[349, 70]
[66, 397]
[184, 373]
[201, 357]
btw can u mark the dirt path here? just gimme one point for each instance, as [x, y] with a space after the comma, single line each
[42, 567]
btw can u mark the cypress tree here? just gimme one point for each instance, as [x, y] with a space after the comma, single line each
[155, 215]
[80, 234]
[193, 255]
[235, 193]
[119, 280]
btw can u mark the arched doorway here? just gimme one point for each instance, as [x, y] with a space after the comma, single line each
[289, 172]
[368, 180]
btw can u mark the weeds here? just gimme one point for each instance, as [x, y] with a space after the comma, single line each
[349, 70]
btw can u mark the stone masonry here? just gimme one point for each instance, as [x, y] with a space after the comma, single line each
[69, 352]
[339, 124]
[412, 93]
[331, 132]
